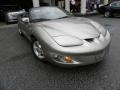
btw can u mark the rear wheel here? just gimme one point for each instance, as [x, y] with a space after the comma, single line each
[38, 50]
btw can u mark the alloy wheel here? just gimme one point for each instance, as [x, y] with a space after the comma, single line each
[38, 51]
[107, 14]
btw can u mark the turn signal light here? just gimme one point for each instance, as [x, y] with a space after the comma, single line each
[68, 59]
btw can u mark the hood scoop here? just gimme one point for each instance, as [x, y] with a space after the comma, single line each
[89, 39]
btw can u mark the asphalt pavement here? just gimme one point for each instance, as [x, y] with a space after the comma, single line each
[20, 70]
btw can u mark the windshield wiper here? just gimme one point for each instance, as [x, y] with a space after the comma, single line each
[44, 19]
[41, 19]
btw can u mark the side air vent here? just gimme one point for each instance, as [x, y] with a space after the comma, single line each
[89, 39]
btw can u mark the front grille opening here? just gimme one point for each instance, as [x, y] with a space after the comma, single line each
[89, 39]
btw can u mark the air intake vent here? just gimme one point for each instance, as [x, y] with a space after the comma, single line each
[89, 40]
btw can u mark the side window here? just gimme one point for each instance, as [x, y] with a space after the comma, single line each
[25, 17]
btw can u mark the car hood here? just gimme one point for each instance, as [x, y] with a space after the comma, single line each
[77, 27]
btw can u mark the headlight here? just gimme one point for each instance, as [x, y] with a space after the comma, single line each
[68, 41]
[68, 59]
[11, 15]
[63, 59]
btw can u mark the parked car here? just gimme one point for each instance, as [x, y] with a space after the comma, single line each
[11, 16]
[3, 9]
[63, 39]
[9, 13]
[110, 9]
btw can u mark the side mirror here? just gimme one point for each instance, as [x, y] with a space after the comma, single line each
[25, 20]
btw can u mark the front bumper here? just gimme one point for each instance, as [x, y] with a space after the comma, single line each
[79, 59]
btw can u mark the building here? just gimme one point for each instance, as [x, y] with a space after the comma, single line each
[84, 6]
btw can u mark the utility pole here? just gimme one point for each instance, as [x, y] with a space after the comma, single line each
[67, 5]
[36, 3]
[83, 7]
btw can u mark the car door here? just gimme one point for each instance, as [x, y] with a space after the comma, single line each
[115, 7]
[25, 25]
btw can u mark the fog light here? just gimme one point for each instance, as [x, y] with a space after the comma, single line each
[68, 59]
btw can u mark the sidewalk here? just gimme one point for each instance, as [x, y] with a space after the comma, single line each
[95, 12]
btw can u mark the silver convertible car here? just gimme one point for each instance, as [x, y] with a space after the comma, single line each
[63, 39]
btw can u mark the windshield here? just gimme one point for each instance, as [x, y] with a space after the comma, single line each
[47, 13]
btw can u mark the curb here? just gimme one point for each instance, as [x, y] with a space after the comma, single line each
[86, 15]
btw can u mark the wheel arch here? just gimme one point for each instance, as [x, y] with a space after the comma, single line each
[33, 38]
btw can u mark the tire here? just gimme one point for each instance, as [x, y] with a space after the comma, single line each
[107, 14]
[38, 50]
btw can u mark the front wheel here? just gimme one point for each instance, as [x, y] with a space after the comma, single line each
[38, 50]
[107, 14]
